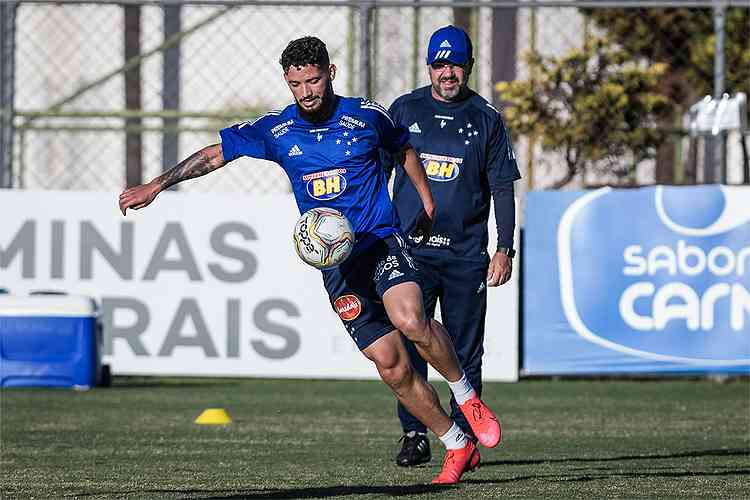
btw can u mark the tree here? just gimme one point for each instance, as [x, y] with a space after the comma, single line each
[595, 106]
[684, 40]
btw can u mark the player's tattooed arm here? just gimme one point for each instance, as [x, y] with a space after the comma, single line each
[200, 163]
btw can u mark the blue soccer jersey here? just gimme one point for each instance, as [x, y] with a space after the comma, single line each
[335, 163]
[467, 154]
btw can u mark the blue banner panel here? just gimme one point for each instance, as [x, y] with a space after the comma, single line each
[649, 280]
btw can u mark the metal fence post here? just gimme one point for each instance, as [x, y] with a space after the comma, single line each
[416, 36]
[365, 51]
[133, 95]
[719, 70]
[171, 88]
[351, 24]
[715, 155]
[7, 88]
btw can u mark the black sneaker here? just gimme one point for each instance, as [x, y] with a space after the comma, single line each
[415, 450]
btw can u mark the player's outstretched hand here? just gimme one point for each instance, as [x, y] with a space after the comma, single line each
[138, 196]
[501, 267]
[422, 229]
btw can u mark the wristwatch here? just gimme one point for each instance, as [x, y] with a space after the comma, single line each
[507, 251]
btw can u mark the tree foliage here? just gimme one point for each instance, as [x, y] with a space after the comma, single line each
[677, 44]
[595, 106]
[684, 39]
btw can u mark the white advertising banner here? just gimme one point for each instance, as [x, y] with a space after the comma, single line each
[200, 284]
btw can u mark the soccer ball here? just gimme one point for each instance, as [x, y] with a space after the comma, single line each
[323, 237]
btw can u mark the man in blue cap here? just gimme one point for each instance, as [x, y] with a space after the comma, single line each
[466, 150]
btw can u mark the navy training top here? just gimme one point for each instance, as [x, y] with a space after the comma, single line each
[468, 157]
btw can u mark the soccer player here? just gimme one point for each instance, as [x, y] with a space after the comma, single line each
[466, 150]
[376, 290]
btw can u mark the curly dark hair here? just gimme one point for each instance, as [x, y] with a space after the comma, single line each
[304, 51]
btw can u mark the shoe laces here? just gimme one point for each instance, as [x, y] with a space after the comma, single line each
[450, 456]
[411, 441]
[449, 470]
[476, 411]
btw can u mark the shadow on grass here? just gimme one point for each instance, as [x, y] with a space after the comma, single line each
[402, 491]
[336, 491]
[731, 452]
[577, 475]
[564, 478]
[291, 493]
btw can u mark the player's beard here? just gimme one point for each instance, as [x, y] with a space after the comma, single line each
[324, 111]
[452, 93]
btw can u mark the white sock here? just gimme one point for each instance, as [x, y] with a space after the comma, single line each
[462, 389]
[454, 439]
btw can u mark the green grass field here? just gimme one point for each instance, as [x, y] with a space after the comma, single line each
[325, 439]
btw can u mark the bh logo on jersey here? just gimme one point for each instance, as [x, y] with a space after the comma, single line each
[441, 168]
[326, 185]
[674, 286]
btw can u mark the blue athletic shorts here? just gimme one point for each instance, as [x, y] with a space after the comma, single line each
[356, 287]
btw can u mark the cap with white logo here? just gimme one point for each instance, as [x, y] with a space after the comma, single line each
[451, 44]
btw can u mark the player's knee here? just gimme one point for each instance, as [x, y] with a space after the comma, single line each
[411, 325]
[396, 376]
[393, 368]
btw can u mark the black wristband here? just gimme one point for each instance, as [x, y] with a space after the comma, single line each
[507, 251]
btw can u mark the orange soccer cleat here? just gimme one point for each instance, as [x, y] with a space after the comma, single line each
[457, 462]
[483, 422]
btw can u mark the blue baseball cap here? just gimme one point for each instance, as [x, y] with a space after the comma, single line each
[451, 44]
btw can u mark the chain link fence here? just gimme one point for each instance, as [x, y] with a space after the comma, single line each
[97, 95]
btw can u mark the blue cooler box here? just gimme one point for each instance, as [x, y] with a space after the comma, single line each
[50, 341]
